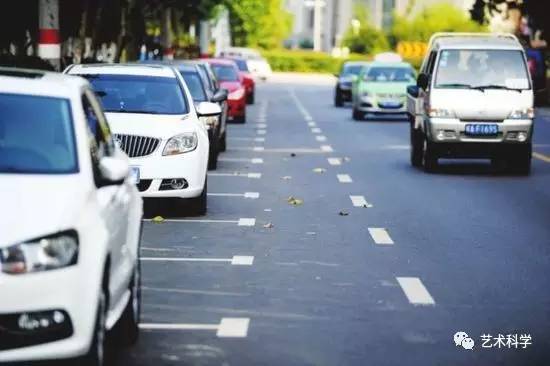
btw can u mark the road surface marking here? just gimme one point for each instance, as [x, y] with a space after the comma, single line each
[296, 150]
[316, 130]
[247, 222]
[344, 178]
[252, 195]
[334, 161]
[311, 124]
[321, 138]
[208, 221]
[359, 201]
[261, 132]
[380, 236]
[257, 161]
[233, 328]
[237, 160]
[542, 157]
[248, 148]
[227, 328]
[258, 148]
[326, 148]
[308, 117]
[236, 174]
[415, 291]
[236, 260]
[257, 139]
[261, 125]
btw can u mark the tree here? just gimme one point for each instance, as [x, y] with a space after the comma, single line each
[362, 37]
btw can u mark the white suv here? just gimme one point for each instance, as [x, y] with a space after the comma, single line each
[154, 120]
[70, 233]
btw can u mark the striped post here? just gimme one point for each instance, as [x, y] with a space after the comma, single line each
[49, 43]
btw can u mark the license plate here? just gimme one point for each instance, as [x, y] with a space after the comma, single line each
[134, 175]
[481, 130]
[390, 103]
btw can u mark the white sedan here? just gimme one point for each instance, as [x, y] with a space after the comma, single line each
[71, 227]
[154, 120]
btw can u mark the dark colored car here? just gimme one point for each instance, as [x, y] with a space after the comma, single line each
[538, 71]
[200, 90]
[349, 72]
[248, 79]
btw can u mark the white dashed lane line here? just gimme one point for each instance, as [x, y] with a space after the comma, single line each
[236, 260]
[359, 201]
[253, 195]
[311, 124]
[227, 328]
[416, 292]
[327, 148]
[380, 236]
[321, 138]
[334, 161]
[261, 132]
[344, 178]
[316, 130]
[236, 174]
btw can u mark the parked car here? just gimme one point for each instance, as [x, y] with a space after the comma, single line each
[227, 74]
[69, 245]
[348, 74]
[248, 79]
[256, 64]
[473, 99]
[536, 61]
[381, 89]
[155, 122]
[200, 91]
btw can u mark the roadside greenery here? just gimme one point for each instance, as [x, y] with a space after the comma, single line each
[306, 61]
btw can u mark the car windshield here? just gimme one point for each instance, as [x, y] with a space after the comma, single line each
[139, 94]
[390, 74]
[225, 72]
[36, 135]
[351, 70]
[497, 69]
[241, 65]
[194, 84]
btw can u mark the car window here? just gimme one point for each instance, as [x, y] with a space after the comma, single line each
[139, 94]
[390, 74]
[479, 68]
[225, 72]
[194, 84]
[351, 70]
[36, 135]
[241, 64]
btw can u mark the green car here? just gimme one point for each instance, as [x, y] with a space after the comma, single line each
[381, 89]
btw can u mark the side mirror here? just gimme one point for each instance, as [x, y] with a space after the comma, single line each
[113, 170]
[412, 90]
[219, 96]
[205, 109]
[422, 81]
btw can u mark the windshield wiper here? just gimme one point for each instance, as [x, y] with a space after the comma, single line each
[494, 86]
[455, 85]
[130, 111]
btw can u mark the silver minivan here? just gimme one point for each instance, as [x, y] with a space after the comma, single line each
[473, 99]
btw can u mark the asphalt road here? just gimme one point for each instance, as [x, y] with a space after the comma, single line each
[325, 282]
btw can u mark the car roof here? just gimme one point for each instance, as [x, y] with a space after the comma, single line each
[390, 64]
[143, 69]
[489, 42]
[38, 82]
[220, 61]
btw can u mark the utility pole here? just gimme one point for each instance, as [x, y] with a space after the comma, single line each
[49, 47]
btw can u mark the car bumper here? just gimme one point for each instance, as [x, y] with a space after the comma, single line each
[345, 94]
[76, 300]
[236, 107]
[374, 107]
[453, 131]
[156, 172]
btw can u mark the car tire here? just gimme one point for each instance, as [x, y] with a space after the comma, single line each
[250, 98]
[198, 204]
[241, 119]
[338, 101]
[213, 153]
[429, 156]
[97, 354]
[417, 148]
[129, 320]
[223, 142]
[520, 161]
[357, 115]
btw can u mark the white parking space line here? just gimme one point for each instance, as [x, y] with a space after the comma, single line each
[380, 236]
[327, 148]
[236, 260]
[247, 222]
[261, 125]
[243, 160]
[334, 161]
[236, 174]
[256, 139]
[359, 201]
[316, 130]
[227, 328]
[344, 178]
[250, 148]
[311, 124]
[416, 292]
[261, 132]
[253, 195]
[321, 138]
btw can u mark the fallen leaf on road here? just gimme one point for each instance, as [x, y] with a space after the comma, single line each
[268, 225]
[319, 170]
[343, 213]
[294, 201]
[157, 219]
[311, 233]
[293, 155]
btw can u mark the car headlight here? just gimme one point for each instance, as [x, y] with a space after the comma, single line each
[42, 254]
[181, 144]
[525, 113]
[236, 94]
[441, 113]
[209, 121]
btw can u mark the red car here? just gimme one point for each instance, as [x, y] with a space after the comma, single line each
[248, 79]
[228, 76]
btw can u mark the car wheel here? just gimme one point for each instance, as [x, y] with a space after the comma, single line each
[129, 321]
[96, 355]
[250, 97]
[417, 140]
[338, 101]
[241, 119]
[198, 204]
[223, 142]
[520, 161]
[357, 115]
[429, 156]
[213, 153]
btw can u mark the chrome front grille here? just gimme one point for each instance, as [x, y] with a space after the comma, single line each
[136, 146]
[390, 95]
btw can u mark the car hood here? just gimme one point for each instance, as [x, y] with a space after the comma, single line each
[38, 205]
[385, 88]
[488, 105]
[152, 125]
[230, 85]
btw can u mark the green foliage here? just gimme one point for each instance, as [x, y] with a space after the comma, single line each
[364, 38]
[437, 18]
[305, 61]
[263, 24]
